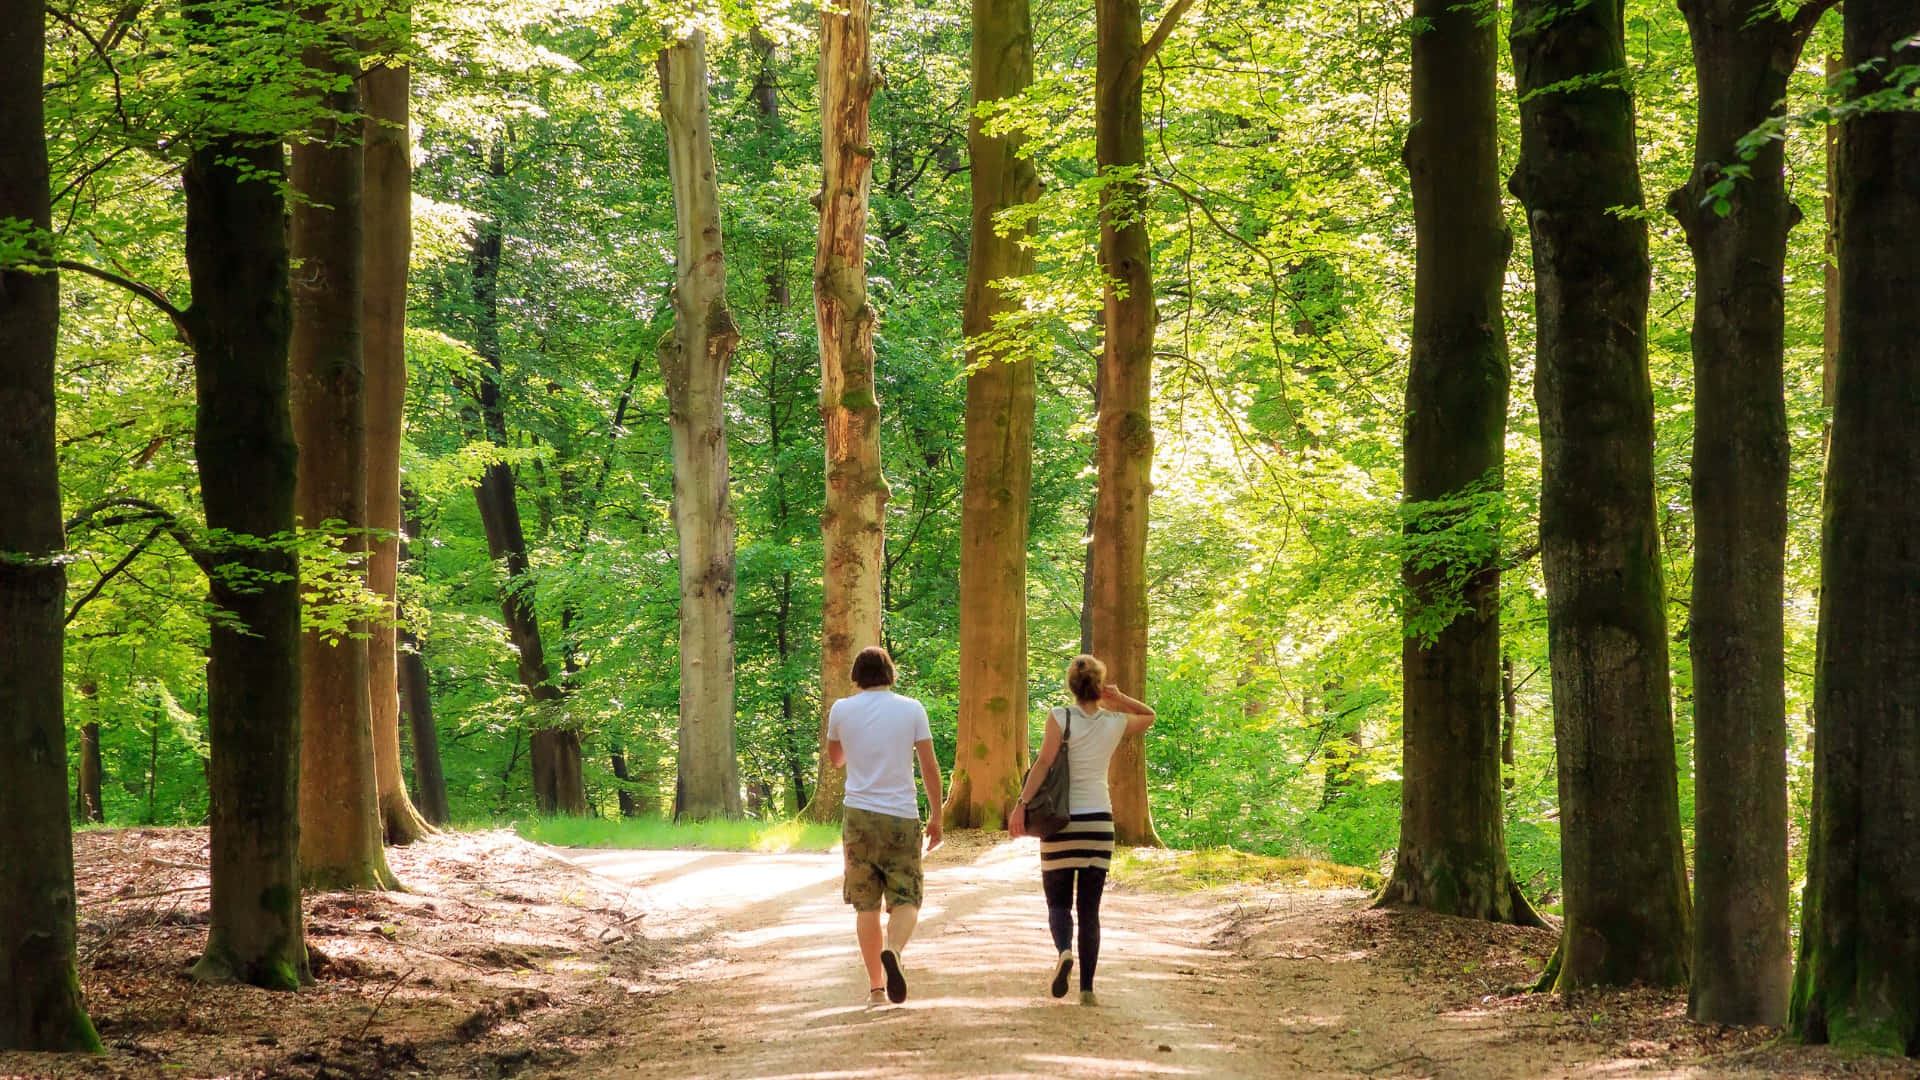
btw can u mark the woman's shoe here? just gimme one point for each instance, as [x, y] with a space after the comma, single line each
[876, 997]
[1087, 998]
[1062, 969]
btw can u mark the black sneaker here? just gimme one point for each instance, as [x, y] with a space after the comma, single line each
[1061, 970]
[896, 979]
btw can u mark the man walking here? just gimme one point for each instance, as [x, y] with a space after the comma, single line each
[876, 734]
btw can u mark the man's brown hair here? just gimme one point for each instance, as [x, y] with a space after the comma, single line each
[873, 668]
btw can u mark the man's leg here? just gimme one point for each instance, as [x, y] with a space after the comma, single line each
[867, 928]
[901, 919]
[901, 868]
[863, 888]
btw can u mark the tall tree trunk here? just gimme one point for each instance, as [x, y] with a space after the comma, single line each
[1117, 551]
[241, 323]
[339, 809]
[388, 210]
[558, 787]
[852, 525]
[40, 1007]
[87, 805]
[1830, 267]
[1627, 909]
[1857, 984]
[416, 700]
[694, 358]
[1510, 719]
[1743, 52]
[617, 757]
[1452, 857]
[990, 756]
[766, 101]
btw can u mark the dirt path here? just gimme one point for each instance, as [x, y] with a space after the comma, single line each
[765, 982]
[772, 984]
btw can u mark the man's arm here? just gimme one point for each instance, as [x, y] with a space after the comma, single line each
[936, 797]
[836, 754]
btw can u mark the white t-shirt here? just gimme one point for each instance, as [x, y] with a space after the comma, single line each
[878, 728]
[1089, 752]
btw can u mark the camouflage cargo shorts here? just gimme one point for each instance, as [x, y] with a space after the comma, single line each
[883, 859]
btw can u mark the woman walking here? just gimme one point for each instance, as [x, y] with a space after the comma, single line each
[1073, 861]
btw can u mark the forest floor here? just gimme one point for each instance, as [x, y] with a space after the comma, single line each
[511, 959]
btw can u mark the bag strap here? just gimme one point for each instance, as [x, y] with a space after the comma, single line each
[1067, 714]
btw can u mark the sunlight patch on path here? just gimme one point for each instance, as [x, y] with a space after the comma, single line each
[784, 995]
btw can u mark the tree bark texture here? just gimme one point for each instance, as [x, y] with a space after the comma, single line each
[388, 211]
[555, 760]
[40, 1006]
[1452, 856]
[1743, 54]
[991, 747]
[416, 703]
[1627, 908]
[339, 809]
[694, 359]
[1857, 984]
[241, 325]
[852, 524]
[1117, 551]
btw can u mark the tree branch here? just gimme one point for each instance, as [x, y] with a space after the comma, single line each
[145, 292]
[1160, 35]
[125, 561]
[1807, 15]
[144, 511]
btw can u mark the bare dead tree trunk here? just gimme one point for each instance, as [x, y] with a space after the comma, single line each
[852, 526]
[694, 358]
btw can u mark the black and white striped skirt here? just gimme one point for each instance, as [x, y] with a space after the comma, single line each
[1087, 841]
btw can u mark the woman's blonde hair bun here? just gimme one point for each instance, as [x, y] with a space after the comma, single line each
[1085, 676]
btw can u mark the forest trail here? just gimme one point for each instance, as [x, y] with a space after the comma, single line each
[763, 981]
[770, 982]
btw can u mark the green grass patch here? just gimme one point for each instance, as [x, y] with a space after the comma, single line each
[1187, 871]
[660, 834]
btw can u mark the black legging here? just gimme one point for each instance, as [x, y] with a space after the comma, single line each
[1062, 899]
